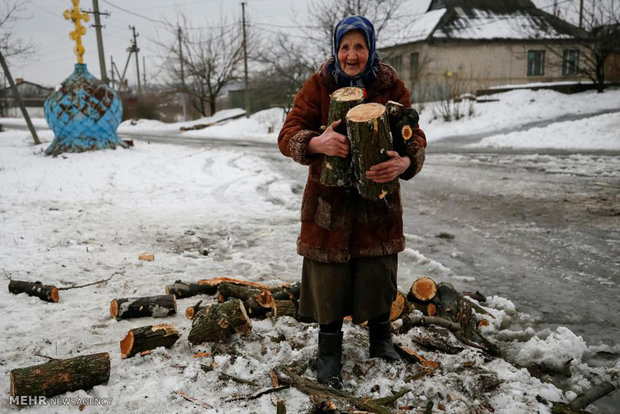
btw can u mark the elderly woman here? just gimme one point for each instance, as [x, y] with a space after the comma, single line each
[349, 243]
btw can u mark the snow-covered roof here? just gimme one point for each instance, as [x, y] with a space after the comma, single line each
[485, 24]
[420, 27]
[475, 21]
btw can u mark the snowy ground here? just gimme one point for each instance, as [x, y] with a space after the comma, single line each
[80, 218]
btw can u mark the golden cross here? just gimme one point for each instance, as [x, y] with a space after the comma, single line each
[76, 17]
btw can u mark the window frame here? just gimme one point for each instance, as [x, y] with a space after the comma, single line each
[535, 65]
[570, 62]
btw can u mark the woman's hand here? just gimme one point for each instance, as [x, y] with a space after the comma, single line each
[330, 142]
[388, 170]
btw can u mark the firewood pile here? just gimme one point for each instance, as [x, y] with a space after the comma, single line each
[434, 317]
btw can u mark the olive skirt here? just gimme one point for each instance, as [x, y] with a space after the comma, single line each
[363, 288]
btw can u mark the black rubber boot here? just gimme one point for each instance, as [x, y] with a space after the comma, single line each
[330, 359]
[381, 345]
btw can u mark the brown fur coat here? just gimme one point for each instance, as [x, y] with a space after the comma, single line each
[337, 223]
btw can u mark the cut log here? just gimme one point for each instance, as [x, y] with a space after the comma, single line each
[147, 338]
[61, 375]
[369, 131]
[400, 306]
[243, 292]
[193, 310]
[423, 289]
[182, 289]
[155, 306]
[47, 293]
[337, 171]
[217, 280]
[402, 123]
[257, 302]
[218, 322]
[589, 396]
[148, 257]
[285, 308]
[290, 292]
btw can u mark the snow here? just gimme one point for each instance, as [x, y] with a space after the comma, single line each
[207, 212]
[420, 27]
[482, 24]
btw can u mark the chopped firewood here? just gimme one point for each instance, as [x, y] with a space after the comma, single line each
[155, 306]
[218, 322]
[337, 171]
[217, 280]
[399, 306]
[147, 338]
[413, 357]
[149, 257]
[193, 310]
[423, 289]
[368, 129]
[290, 292]
[431, 309]
[182, 289]
[285, 308]
[59, 376]
[47, 293]
[274, 379]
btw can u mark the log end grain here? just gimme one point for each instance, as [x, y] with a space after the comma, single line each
[349, 93]
[149, 257]
[189, 312]
[365, 112]
[127, 345]
[113, 308]
[424, 289]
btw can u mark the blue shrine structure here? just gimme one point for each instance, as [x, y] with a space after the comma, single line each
[83, 112]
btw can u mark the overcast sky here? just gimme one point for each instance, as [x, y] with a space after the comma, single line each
[53, 60]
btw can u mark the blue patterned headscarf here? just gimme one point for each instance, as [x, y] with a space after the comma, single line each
[344, 26]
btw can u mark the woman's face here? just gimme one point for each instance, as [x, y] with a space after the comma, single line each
[353, 53]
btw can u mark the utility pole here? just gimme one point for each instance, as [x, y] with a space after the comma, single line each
[112, 71]
[144, 71]
[180, 36]
[581, 13]
[5, 68]
[134, 49]
[245, 63]
[95, 11]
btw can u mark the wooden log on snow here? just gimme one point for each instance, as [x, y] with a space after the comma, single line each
[286, 292]
[47, 293]
[217, 280]
[147, 338]
[590, 395]
[257, 302]
[285, 308]
[193, 310]
[182, 289]
[218, 322]
[155, 306]
[61, 375]
[400, 306]
[337, 171]
[369, 131]
[423, 289]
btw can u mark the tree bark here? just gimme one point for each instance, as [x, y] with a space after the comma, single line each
[47, 293]
[182, 289]
[369, 131]
[218, 322]
[402, 123]
[155, 306]
[285, 308]
[148, 337]
[337, 171]
[61, 375]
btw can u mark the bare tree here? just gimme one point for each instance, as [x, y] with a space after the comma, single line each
[324, 14]
[12, 11]
[286, 66]
[210, 57]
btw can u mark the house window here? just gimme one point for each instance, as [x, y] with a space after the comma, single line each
[535, 62]
[396, 62]
[570, 63]
[414, 65]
